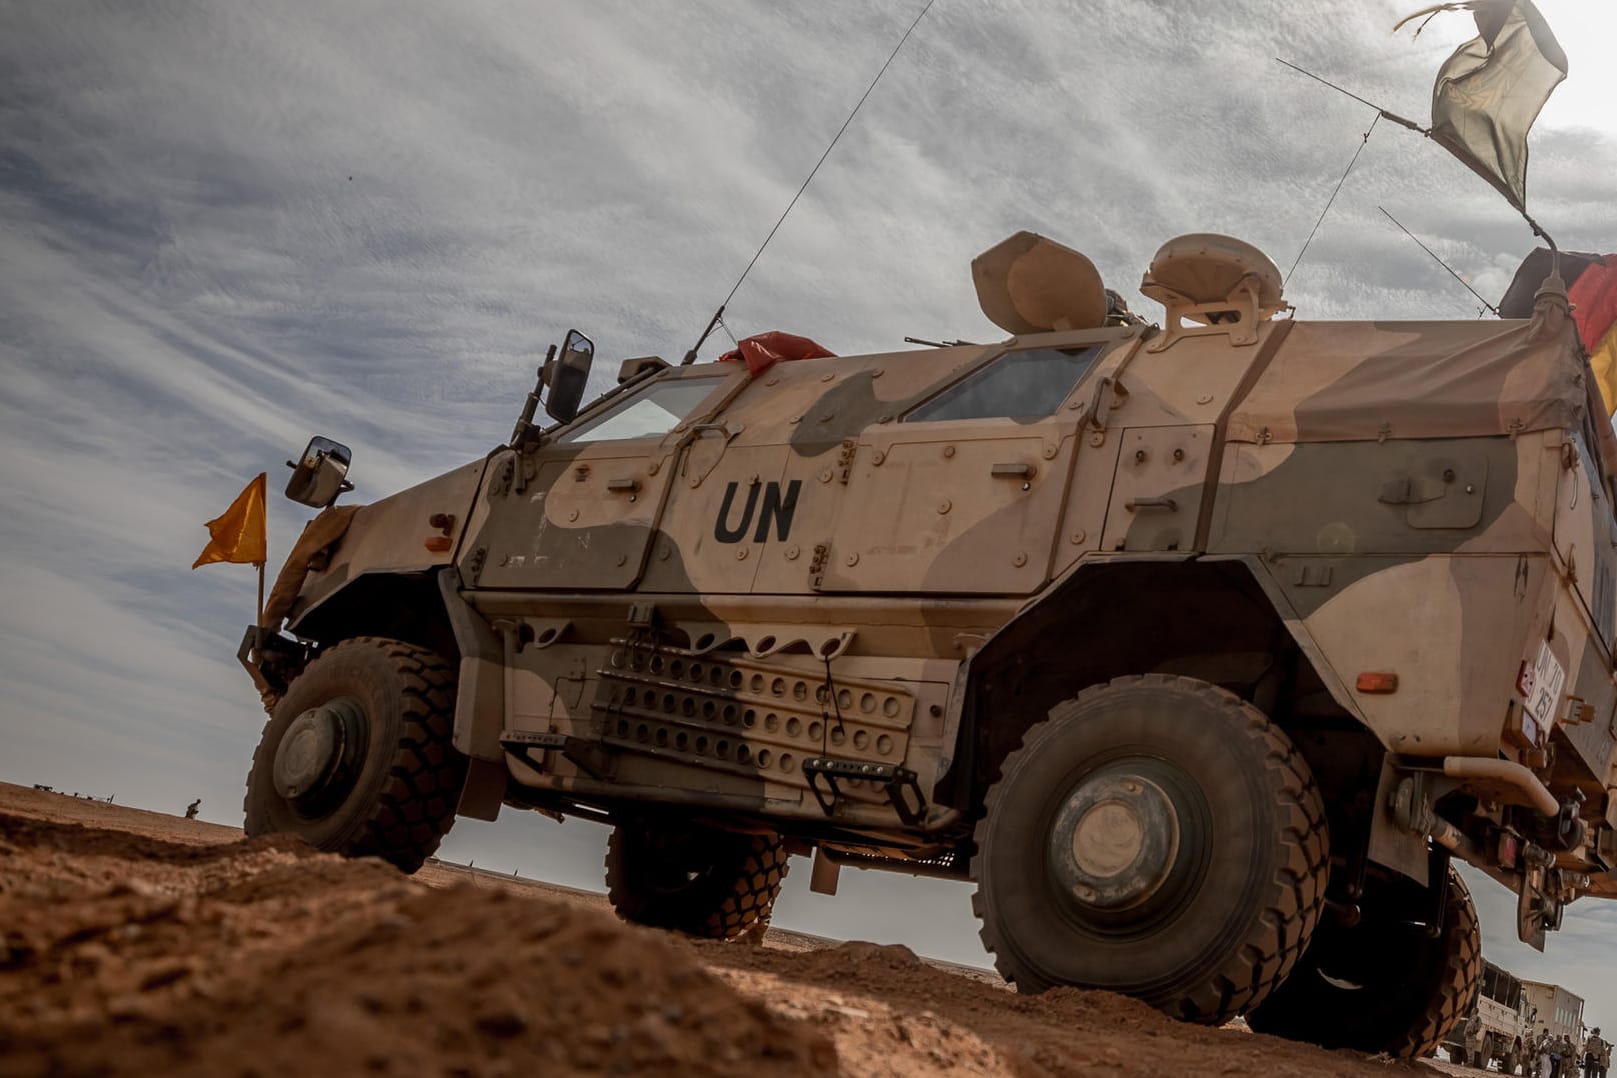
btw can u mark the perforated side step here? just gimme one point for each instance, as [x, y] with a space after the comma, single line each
[823, 772]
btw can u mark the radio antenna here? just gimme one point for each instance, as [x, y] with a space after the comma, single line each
[1440, 262]
[690, 357]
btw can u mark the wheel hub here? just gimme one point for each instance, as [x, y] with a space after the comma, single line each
[1115, 841]
[317, 753]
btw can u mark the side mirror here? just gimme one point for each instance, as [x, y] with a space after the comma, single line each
[566, 376]
[320, 474]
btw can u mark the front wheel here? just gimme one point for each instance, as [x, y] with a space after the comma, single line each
[1156, 836]
[357, 756]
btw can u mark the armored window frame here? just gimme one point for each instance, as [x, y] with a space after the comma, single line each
[691, 391]
[1047, 378]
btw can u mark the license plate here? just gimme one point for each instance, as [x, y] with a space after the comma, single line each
[1541, 686]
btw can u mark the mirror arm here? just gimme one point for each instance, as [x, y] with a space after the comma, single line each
[525, 422]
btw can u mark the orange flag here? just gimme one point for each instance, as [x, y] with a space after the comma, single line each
[238, 532]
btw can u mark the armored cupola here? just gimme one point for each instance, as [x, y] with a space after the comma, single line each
[1219, 283]
[1029, 284]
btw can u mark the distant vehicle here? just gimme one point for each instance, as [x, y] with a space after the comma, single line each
[1201, 649]
[1508, 1018]
[1559, 1010]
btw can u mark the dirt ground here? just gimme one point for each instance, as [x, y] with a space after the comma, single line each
[136, 943]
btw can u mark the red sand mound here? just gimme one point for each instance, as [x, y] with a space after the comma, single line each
[138, 944]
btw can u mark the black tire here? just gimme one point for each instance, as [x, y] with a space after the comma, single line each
[702, 882]
[1210, 922]
[1385, 984]
[371, 722]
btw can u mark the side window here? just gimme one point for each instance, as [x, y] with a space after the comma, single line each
[1029, 384]
[654, 410]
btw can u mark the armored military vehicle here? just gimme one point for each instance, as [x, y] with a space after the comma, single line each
[1201, 649]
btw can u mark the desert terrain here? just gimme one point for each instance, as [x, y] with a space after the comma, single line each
[133, 943]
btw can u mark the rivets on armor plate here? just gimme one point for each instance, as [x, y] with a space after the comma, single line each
[1205, 398]
[741, 554]
[1078, 536]
[826, 377]
[651, 469]
[1097, 439]
[623, 559]
[877, 457]
[774, 380]
[851, 560]
[1019, 561]
[1050, 452]
[948, 451]
[573, 515]
[945, 505]
[825, 476]
[792, 552]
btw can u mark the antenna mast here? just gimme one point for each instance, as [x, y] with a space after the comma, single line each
[1440, 262]
[690, 357]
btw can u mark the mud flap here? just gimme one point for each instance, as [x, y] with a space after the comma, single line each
[479, 704]
[1390, 844]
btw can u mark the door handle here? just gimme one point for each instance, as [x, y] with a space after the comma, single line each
[623, 486]
[1138, 504]
[1012, 471]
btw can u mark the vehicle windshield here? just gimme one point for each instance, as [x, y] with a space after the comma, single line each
[653, 411]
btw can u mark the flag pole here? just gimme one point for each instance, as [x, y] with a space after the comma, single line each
[1385, 114]
[1538, 230]
[260, 619]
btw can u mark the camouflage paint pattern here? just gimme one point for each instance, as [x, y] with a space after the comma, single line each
[796, 568]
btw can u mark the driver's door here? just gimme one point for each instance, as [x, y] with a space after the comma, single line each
[579, 512]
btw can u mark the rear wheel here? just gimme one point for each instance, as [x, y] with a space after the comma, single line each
[1156, 836]
[695, 880]
[357, 756]
[1386, 984]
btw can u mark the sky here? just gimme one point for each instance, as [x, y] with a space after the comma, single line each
[225, 227]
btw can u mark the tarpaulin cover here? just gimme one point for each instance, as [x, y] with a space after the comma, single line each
[1592, 290]
[763, 350]
[318, 534]
[1353, 381]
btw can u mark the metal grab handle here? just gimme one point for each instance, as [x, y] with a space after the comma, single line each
[623, 486]
[1151, 503]
[1011, 471]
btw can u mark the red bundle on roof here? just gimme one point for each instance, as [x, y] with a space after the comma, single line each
[763, 350]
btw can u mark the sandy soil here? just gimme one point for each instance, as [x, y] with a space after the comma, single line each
[136, 943]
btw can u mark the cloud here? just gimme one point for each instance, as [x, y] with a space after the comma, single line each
[225, 227]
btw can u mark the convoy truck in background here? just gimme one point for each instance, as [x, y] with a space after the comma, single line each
[1508, 1022]
[1558, 1010]
[1202, 648]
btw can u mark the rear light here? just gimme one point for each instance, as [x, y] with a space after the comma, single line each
[1377, 682]
[438, 544]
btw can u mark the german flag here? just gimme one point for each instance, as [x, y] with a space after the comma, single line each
[1591, 283]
